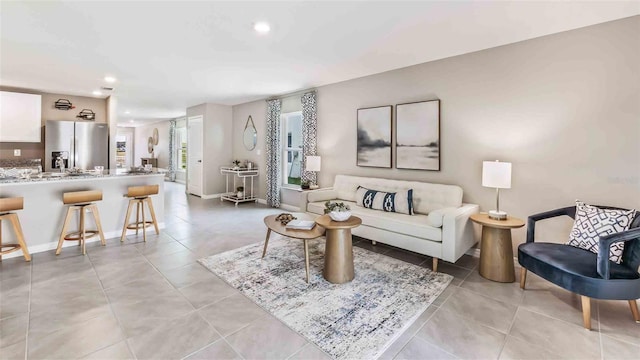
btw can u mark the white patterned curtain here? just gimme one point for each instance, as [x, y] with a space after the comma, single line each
[172, 150]
[309, 125]
[273, 153]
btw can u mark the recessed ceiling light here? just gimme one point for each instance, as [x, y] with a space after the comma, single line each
[97, 93]
[127, 112]
[109, 79]
[262, 27]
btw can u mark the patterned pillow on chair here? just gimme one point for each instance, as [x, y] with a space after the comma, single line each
[592, 222]
[400, 202]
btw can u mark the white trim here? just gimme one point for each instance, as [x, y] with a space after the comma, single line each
[54, 244]
[181, 182]
[262, 201]
[475, 252]
[212, 196]
[289, 207]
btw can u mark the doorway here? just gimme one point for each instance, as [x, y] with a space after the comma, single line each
[194, 156]
[124, 148]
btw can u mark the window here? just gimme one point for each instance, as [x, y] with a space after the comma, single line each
[292, 147]
[181, 148]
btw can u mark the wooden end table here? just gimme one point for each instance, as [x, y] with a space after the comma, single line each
[338, 253]
[496, 249]
[304, 235]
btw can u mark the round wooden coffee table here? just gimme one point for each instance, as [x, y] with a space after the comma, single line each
[304, 235]
[496, 250]
[338, 252]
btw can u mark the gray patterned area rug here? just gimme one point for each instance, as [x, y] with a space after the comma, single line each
[356, 320]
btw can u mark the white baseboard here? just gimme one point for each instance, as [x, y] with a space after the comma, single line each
[475, 252]
[181, 182]
[34, 249]
[212, 196]
[289, 207]
[282, 206]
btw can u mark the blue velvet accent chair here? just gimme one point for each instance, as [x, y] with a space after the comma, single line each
[581, 271]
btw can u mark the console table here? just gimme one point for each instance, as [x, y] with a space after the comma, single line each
[236, 175]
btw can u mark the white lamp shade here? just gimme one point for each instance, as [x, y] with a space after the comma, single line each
[313, 163]
[496, 174]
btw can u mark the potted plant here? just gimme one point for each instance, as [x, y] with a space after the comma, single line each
[236, 164]
[337, 211]
[305, 185]
[240, 193]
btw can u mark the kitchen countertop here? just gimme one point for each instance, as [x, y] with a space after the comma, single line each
[88, 175]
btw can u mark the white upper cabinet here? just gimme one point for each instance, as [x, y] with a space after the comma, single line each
[20, 117]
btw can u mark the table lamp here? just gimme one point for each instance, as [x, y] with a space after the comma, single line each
[497, 175]
[313, 164]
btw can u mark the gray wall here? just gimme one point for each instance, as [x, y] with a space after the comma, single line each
[160, 151]
[564, 109]
[217, 146]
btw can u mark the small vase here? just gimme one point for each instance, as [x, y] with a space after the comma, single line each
[240, 194]
[340, 215]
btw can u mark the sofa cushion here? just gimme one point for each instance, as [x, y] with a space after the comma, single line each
[399, 202]
[416, 225]
[321, 195]
[426, 197]
[592, 222]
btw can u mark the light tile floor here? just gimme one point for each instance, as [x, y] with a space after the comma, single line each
[153, 301]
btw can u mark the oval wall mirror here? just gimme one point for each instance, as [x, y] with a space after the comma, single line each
[155, 136]
[250, 135]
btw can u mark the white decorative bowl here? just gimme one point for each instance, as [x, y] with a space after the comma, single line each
[340, 215]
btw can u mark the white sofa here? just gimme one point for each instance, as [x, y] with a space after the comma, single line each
[440, 227]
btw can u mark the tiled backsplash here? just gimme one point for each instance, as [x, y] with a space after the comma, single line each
[11, 163]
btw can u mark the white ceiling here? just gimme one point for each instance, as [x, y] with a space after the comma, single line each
[168, 56]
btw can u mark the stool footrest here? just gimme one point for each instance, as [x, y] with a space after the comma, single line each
[139, 225]
[13, 247]
[75, 236]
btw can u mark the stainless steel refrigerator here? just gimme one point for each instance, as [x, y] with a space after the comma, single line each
[80, 144]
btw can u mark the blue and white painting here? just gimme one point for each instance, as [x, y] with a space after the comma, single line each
[418, 135]
[374, 137]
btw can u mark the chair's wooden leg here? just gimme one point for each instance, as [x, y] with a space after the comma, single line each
[266, 242]
[96, 217]
[586, 311]
[15, 222]
[0, 239]
[67, 220]
[137, 216]
[306, 259]
[144, 222]
[523, 277]
[83, 235]
[126, 221]
[435, 264]
[634, 310]
[153, 215]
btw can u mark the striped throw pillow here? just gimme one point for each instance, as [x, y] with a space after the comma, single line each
[399, 202]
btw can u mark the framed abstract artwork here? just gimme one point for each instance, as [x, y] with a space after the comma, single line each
[374, 137]
[418, 135]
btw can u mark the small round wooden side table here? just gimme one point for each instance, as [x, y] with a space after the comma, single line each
[338, 252]
[496, 249]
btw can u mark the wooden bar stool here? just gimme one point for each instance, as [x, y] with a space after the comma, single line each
[138, 196]
[81, 201]
[7, 205]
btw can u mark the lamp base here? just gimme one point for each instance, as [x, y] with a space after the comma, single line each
[497, 215]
